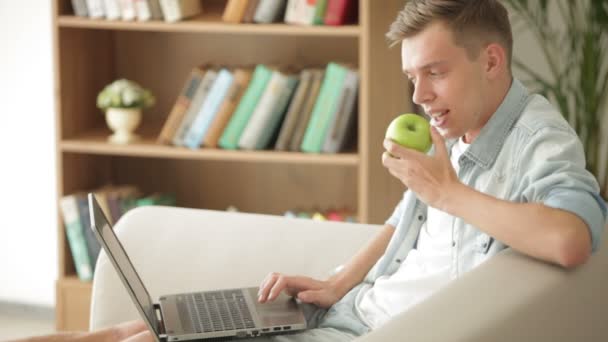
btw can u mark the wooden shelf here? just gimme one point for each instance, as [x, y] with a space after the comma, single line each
[209, 23]
[96, 144]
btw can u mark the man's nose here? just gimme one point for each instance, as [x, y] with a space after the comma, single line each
[422, 93]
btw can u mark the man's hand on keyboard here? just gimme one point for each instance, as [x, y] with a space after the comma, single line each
[306, 289]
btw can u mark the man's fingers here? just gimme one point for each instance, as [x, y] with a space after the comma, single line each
[401, 152]
[266, 286]
[439, 142]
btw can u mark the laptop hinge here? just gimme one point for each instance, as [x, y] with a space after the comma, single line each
[161, 325]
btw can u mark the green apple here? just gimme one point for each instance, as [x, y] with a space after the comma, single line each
[411, 131]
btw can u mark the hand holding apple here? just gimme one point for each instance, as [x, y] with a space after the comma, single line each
[411, 131]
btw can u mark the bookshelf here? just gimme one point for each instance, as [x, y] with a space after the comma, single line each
[90, 53]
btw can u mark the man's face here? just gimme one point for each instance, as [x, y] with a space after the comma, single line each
[447, 83]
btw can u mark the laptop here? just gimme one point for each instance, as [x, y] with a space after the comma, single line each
[230, 313]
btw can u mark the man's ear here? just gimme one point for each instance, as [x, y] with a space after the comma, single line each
[496, 60]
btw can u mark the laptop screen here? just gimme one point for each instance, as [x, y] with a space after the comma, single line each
[122, 263]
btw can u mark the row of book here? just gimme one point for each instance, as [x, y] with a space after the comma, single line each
[313, 110]
[299, 12]
[114, 201]
[142, 10]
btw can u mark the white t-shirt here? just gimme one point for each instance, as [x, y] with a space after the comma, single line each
[424, 271]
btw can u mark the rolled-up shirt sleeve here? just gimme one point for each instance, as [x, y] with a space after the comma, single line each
[553, 173]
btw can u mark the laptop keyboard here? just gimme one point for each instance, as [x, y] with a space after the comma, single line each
[219, 310]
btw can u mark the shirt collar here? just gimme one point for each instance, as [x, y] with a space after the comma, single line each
[485, 148]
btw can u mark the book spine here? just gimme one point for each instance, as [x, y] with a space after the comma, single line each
[262, 111]
[112, 9]
[208, 110]
[320, 9]
[271, 125]
[324, 108]
[180, 107]
[234, 11]
[93, 246]
[80, 8]
[195, 106]
[337, 12]
[269, 11]
[170, 10]
[304, 118]
[142, 10]
[75, 237]
[293, 112]
[156, 11]
[238, 122]
[95, 8]
[242, 77]
[345, 114]
[127, 8]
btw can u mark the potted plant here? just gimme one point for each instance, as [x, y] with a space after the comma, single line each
[123, 102]
[573, 38]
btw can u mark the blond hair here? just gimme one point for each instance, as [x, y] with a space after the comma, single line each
[474, 23]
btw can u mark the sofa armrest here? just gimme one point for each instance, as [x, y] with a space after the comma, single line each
[512, 297]
[179, 250]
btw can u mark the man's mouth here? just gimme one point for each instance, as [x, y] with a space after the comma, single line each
[439, 118]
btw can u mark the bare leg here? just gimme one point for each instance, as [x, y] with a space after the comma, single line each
[116, 333]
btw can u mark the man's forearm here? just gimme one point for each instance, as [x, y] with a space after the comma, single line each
[546, 233]
[359, 265]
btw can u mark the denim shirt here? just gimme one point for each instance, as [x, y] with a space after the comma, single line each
[527, 152]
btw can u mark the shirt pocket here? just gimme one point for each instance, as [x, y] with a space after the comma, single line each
[483, 242]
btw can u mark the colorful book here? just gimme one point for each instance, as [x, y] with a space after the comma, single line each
[343, 122]
[142, 10]
[234, 11]
[176, 10]
[340, 12]
[320, 9]
[252, 5]
[269, 11]
[269, 112]
[324, 108]
[200, 125]
[75, 237]
[295, 108]
[304, 118]
[184, 99]
[300, 12]
[231, 135]
[195, 106]
[242, 77]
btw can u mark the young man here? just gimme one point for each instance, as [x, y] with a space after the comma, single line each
[510, 173]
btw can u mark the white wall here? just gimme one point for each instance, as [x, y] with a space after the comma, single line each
[28, 252]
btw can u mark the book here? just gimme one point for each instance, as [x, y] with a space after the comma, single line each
[295, 108]
[176, 10]
[341, 126]
[340, 12]
[252, 5]
[95, 9]
[75, 237]
[127, 9]
[142, 10]
[319, 15]
[269, 11]
[231, 135]
[156, 12]
[184, 99]
[304, 118]
[200, 125]
[195, 106]
[242, 77]
[269, 111]
[234, 11]
[93, 246]
[112, 8]
[80, 8]
[324, 108]
[300, 12]
[115, 198]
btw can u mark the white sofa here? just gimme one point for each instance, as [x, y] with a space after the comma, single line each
[509, 298]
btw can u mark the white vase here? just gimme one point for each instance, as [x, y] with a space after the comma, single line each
[123, 122]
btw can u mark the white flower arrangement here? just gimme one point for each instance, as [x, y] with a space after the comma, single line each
[124, 94]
